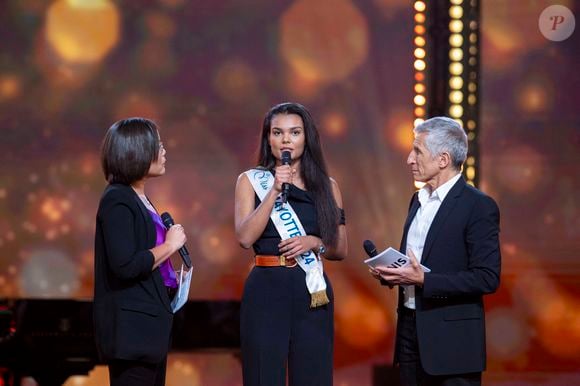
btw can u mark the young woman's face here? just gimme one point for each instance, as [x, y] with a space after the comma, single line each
[157, 168]
[287, 133]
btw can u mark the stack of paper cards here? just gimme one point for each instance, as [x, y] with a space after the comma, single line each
[391, 258]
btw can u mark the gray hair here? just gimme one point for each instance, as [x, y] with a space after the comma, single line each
[445, 135]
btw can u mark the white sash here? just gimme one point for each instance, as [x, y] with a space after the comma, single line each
[288, 225]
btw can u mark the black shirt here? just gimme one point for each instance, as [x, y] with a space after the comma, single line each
[303, 204]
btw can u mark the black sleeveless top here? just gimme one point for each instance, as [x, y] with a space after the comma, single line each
[303, 204]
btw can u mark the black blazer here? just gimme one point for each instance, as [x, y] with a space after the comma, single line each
[132, 311]
[462, 250]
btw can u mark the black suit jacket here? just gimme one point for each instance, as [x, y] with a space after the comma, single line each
[132, 311]
[462, 250]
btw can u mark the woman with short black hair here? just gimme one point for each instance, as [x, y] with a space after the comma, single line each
[134, 277]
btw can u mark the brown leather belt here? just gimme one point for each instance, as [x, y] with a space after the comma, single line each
[274, 261]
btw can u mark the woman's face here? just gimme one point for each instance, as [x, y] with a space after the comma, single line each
[287, 133]
[157, 168]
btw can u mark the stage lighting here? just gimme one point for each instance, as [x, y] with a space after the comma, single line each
[420, 65]
[446, 65]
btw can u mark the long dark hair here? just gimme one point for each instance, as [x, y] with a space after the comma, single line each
[312, 167]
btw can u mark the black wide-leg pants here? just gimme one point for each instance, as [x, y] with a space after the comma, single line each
[279, 330]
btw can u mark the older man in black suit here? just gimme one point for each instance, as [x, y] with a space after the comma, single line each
[453, 229]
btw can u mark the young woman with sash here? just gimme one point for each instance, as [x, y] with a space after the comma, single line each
[287, 305]
[134, 278]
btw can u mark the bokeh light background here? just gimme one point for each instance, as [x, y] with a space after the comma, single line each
[207, 71]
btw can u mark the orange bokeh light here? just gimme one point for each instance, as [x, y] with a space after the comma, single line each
[419, 41]
[160, 25]
[82, 32]
[89, 164]
[535, 96]
[302, 87]
[10, 87]
[359, 312]
[235, 81]
[59, 74]
[320, 45]
[419, 29]
[554, 313]
[419, 112]
[334, 124]
[54, 209]
[218, 244]
[399, 129]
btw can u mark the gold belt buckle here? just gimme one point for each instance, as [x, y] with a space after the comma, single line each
[284, 263]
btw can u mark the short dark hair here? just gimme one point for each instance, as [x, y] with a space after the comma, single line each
[128, 149]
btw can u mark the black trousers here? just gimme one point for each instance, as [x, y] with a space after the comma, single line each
[135, 373]
[411, 371]
[279, 330]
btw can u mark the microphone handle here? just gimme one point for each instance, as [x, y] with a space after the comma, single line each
[183, 252]
[285, 191]
[286, 160]
[185, 256]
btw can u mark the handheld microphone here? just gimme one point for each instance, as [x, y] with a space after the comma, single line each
[286, 160]
[168, 222]
[370, 248]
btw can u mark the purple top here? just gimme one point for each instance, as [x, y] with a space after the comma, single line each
[166, 268]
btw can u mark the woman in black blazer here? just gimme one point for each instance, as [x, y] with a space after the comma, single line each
[134, 278]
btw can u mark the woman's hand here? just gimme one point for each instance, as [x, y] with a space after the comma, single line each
[295, 246]
[283, 175]
[175, 237]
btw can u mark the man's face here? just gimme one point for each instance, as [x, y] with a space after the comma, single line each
[424, 165]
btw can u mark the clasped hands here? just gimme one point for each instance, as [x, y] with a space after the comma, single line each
[411, 274]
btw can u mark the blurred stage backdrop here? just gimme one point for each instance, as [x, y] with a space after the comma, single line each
[207, 71]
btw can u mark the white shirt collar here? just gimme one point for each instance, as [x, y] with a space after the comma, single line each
[440, 193]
